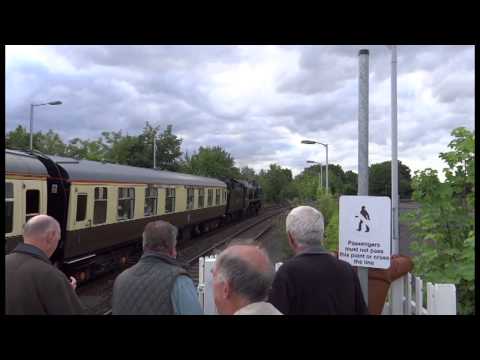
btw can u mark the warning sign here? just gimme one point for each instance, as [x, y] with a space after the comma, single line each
[364, 231]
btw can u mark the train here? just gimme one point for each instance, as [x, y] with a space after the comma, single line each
[102, 208]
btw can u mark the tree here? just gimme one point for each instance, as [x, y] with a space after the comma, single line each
[17, 139]
[211, 162]
[350, 183]
[276, 183]
[445, 221]
[247, 173]
[49, 143]
[168, 150]
[379, 180]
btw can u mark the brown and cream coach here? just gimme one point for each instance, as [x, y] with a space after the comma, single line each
[102, 208]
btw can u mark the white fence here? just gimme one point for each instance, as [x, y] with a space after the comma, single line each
[441, 299]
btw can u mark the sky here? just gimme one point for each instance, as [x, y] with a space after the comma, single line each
[256, 102]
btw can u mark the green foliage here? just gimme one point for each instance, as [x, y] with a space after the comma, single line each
[445, 220]
[380, 180]
[168, 150]
[211, 162]
[17, 139]
[276, 184]
[328, 206]
[247, 173]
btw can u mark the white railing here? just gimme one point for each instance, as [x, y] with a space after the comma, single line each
[441, 298]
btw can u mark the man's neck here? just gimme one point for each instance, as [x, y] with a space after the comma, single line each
[239, 303]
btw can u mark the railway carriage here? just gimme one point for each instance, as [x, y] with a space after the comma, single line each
[102, 208]
[25, 193]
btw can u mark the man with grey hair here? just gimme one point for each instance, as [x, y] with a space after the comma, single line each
[242, 278]
[314, 282]
[33, 285]
[157, 284]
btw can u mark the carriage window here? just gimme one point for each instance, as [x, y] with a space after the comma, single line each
[170, 200]
[217, 196]
[210, 197]
[8, 207]
[201, 197]
[81, 207]
[100, 207]
[190, 197]
[151, 196]
[126, 203]
[32, 204]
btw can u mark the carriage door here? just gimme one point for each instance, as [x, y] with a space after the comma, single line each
[82, 205]
[34, 198]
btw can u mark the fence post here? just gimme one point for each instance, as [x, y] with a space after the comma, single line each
[408, 301]
[201, 285]
[445, 299]
[418, 295]
[431, 299]
[396, 299]
[209, 303]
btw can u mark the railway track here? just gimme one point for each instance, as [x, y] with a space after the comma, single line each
[97, 295]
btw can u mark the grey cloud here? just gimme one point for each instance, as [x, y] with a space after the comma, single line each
[121, 87]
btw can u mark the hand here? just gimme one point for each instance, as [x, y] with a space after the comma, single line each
[73, 282]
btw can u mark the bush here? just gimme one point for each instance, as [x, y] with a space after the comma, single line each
[328, 206]
[445, 221]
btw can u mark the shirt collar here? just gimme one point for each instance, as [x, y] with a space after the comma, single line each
[31, 250]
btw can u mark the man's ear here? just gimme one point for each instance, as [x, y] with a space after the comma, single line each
[291, 241]
[226, 290]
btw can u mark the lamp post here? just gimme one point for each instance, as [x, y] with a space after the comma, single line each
[31, 118]
[309, 142]
[320, 183]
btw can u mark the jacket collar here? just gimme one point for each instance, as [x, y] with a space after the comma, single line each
[147, 255]
[316, 249]
[31, 250]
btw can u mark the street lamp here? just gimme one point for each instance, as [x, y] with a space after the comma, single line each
[310, 142]
[31, 118]
[320, 183]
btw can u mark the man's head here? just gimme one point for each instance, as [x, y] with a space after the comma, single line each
[243, 274]
[42, 231]
[305, 227]
[160, 236]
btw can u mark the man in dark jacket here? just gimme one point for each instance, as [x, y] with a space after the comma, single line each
[33, 285]
[314, 282]
[157, 284]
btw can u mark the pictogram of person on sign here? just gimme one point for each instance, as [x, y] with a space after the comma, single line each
[364, 218]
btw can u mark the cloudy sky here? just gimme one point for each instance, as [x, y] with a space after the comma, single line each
[257, 102]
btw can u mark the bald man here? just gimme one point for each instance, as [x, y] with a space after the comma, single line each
[33, 286]
[242, 277]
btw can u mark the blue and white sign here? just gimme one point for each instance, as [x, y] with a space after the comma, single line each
[365, 231]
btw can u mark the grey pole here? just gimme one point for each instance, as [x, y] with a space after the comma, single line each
[154, 150]
[31, 127]
[321, 176]
[326, 146]
[394, 167]
[363, 147]
[397, 285]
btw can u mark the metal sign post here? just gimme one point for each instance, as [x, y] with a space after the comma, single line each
[363, 56]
